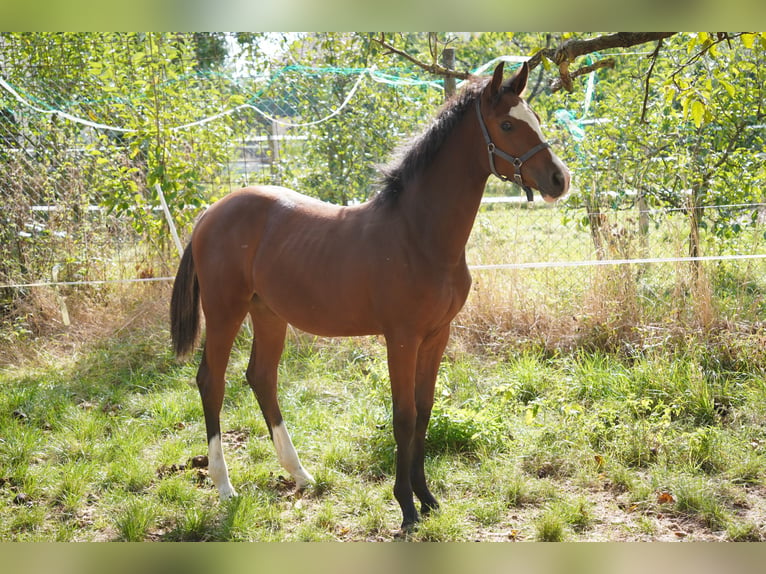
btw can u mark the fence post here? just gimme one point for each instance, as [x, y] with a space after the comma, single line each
[448, 61]
[273, 134]
[169, 218]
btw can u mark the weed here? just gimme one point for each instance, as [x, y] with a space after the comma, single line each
[646, 525]
[195, 524]
[463, 430]
[176, 490]
[576, 513]
[488, 513]
[549, 527]
[746, 531]
[443, 526]
[519, 490]
[135, 520]
[235, 522]
[75, 482]
[326, 518]
[696, 496]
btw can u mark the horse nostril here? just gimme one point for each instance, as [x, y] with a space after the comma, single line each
[558, 179]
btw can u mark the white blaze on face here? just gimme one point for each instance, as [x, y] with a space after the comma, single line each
[524, 113]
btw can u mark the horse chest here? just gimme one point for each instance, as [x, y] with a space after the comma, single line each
[460, 286]
[442, 295]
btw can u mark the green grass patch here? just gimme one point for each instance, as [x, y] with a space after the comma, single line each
[520, 446]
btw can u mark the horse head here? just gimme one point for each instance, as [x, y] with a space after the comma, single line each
[512, 133]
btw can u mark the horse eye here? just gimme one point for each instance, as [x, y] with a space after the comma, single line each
[506, 126]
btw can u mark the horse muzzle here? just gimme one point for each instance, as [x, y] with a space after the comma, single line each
[553, 184]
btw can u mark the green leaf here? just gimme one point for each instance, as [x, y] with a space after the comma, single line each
[731, 90]
[698, 112]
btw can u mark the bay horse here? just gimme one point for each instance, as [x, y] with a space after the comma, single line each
[394, 265]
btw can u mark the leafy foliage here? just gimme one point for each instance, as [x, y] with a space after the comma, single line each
[697, 145]
[677, 130]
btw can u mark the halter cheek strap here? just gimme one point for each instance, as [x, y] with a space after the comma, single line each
[516, 162]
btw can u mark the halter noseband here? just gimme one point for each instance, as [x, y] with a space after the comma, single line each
[516, 162]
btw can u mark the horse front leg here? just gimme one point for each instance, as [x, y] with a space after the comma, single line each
[428, 361]
[402, 358]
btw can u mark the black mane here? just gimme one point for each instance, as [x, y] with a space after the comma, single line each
[420, 151]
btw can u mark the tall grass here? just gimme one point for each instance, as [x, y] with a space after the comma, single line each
[612, 307]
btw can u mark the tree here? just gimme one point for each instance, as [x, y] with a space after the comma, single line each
[338, 159]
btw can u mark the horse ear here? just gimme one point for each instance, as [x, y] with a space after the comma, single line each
[519, 81]
[497, 80]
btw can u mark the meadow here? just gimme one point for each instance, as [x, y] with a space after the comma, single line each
[609, 407]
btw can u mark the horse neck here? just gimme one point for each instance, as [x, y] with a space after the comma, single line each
[442, 201]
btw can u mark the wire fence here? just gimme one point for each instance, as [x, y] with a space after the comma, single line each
[82, 148]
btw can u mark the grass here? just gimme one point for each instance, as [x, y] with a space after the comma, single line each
[524, 445]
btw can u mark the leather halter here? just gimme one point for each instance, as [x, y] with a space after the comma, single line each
[516, 162]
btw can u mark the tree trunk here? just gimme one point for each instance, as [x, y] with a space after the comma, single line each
[695, 214]
[595, 220]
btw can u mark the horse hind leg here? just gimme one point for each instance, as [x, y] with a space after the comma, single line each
[211, 384]
[268, 343]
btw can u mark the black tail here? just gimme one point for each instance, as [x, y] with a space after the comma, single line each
[184, 306]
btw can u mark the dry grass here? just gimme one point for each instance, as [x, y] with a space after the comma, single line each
[93, 315]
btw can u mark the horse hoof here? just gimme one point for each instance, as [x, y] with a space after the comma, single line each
[304, 482]
[406, 530]
[426, 509]
[227, 493]
[404, 533]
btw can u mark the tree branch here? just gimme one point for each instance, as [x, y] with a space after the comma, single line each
[570, 50]
[432, 68]
[559, 83]
[654, 56]
[562, 56]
